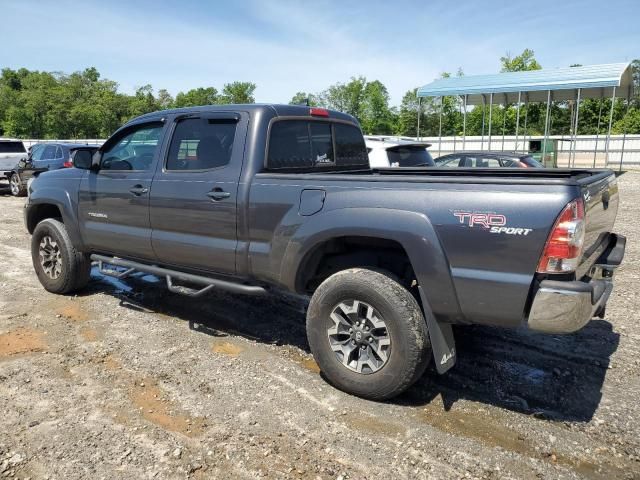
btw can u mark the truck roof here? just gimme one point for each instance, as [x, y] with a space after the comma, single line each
[279, 110]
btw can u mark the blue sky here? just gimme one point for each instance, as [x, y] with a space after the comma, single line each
[287, 46]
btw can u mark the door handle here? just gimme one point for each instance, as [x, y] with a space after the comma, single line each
[138, 190]
[218, 194]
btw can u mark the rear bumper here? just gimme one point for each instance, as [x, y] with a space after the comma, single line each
[564, 307]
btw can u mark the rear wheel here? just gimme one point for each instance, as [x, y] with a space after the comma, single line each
[58, 265]
[367, 333]
[15, 184]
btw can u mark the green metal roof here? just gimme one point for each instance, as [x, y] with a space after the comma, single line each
[595, 81]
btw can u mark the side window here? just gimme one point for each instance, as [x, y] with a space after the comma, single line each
[58, 153]
[49, 152]
[451, 162]
[134, 150]
[489, 162]
[201, 144]
[350, 147]
[37, 152]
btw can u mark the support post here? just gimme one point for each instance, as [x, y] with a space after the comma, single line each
[490, 111]
[572, 155]
[440, 129]
[517, 120]
[419, 115]
[526, 118]
[484, 103]
[546, 128]
[624, 132]
[606, 147]
[504, 120]
[464, 123]
[595, 150]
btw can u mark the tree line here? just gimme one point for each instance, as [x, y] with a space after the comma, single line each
[35, 104]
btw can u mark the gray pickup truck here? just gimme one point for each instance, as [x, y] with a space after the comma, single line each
[245, 198]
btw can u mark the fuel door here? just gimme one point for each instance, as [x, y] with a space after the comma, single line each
[311, 201]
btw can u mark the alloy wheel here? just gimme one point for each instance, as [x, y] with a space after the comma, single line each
[359, 337]
[50, 257]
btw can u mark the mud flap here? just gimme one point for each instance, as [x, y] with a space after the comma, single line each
[441, 336]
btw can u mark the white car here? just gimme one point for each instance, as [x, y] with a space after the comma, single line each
[388, 151]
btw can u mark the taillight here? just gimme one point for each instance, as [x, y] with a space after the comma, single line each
[67, 164]
[564, 245]
[319, 112]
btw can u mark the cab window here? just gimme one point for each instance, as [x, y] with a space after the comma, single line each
[201, 144]
[133, 150]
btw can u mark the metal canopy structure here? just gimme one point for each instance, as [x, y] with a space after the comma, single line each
[594, 81]
[614, 80]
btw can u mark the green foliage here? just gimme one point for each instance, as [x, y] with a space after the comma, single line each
[238, 92]
[519, 63]
[38, 104]
[301, 98]
[197, 96]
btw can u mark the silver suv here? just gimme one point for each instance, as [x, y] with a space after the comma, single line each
[11, 152]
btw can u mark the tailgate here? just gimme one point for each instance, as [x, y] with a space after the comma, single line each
[601, 207]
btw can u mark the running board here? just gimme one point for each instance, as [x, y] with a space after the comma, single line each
[207, 282]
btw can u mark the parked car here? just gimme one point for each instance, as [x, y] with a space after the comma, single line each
[11, 152]
[387, 152]
[487, 160]
[243, 198]
[43, 157]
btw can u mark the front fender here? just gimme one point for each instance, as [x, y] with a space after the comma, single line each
[67, 206]
[412, 230]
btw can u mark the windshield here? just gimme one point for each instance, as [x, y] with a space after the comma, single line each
[410, 156]
[11, 147]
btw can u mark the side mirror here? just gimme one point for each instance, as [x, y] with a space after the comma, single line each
[96, 160]
[82, 159]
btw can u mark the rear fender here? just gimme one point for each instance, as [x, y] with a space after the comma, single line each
[410, 229]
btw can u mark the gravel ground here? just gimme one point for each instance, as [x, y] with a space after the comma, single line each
[130, 381]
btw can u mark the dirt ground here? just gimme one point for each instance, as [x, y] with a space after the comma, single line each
[129, 381]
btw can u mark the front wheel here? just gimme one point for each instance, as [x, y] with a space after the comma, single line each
[58, 265]
[367, 333]
[15, 184]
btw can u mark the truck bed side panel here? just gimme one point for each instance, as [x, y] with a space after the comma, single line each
[492, 272]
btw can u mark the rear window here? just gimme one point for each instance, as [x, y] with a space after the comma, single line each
[310, 145]
[11, 147]
[410, 157]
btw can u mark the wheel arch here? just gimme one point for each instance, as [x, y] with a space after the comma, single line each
[51, 203]
[405, 232]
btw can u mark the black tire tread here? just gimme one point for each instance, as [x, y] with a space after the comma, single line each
[77, 266]
[418, 353]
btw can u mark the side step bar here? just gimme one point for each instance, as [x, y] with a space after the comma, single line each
[208, 283]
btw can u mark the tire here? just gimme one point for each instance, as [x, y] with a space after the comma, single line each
[16, 186]
[69, 270]
[385, 370]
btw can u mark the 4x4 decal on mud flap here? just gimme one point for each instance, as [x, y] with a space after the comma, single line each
[494, 222]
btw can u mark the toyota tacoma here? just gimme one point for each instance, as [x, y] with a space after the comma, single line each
[247, 198]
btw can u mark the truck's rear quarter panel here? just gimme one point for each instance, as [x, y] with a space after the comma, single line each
[492, 272]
